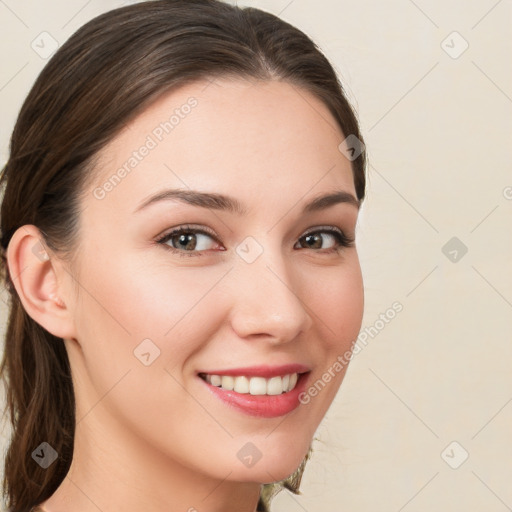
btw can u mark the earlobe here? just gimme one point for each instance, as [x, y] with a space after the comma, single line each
[34, 275]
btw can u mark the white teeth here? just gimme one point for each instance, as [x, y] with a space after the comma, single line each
[254, 385]
[228, 382]
[293, 380]
[275, 386]
[241, 385]
[258, 386]
[215, 380]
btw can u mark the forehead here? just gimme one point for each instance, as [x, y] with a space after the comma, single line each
[251, 139]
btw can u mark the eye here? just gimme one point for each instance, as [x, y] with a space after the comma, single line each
[332, 236]
[188, 241]
[192, 241]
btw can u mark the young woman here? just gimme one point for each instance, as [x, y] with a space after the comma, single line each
[178, 239]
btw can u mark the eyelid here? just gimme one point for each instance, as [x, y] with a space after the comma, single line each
[189, 227]
[316, 229]
[329, 228]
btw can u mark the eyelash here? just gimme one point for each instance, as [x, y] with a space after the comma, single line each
[340, 237]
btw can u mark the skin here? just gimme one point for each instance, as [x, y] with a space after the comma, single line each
[152, 437]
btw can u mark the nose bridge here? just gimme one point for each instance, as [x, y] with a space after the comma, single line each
[267, 298]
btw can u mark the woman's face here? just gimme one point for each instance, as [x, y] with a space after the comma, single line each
[255, 279]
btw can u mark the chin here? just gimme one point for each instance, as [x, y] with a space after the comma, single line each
[274, 465]
[265, 473]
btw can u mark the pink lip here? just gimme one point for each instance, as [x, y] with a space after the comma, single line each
[266, 406]
[261, 371]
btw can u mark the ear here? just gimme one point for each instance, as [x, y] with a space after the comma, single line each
[33, 272]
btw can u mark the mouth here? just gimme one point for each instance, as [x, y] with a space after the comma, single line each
[254, 386]
[256, 395]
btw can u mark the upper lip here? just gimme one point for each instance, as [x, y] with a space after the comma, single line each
[261, 371]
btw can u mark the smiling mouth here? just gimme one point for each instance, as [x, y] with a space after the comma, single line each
[277, 385]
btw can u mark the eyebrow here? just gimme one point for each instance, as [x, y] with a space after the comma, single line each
[221, 202]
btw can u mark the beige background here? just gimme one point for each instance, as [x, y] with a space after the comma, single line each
[437, 123]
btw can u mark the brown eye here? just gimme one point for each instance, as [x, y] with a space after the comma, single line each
[329, 239]
[188, 240]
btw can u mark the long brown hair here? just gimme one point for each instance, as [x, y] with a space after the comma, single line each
[107, 73]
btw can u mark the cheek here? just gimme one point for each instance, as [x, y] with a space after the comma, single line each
[337, 302]
[119, 315]
[167, 306]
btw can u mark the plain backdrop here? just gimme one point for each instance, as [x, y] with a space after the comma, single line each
[422, 421]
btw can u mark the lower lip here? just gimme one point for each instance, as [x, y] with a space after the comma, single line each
[265, 406]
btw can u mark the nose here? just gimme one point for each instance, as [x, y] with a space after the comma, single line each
[268, 300]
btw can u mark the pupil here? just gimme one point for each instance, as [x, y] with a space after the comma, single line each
[312, 239]
[185, 239]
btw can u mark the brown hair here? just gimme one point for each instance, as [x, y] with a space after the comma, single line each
[105, 74]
